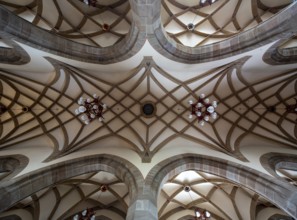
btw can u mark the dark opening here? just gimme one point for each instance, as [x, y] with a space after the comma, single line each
[148, 109]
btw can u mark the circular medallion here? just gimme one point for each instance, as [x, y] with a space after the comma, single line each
[3, 109]
[187, 188]
[148, 109]
[190, 26]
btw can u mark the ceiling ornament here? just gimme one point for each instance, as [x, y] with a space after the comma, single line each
[202, 3]
[3, 109]
[93, 3]
[89, 2]
[148, 109]
[199, 214]
[206, 2]
[90, 109]
[105, 27]
[89, 213]
[203, 109]
[202, 215]
[292, 108]
[191, 26]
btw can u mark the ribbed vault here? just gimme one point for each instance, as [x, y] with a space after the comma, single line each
[132, 54]
[245, 108]
[215, 187]
[214, 23]
[80, 22]
[174, 202]
[71, 196]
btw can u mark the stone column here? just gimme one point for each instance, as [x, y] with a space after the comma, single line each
[142, 209]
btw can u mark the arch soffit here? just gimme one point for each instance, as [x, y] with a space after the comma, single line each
[274, 190]
[273, 161]
[280, 56]
[19, 188]
[14, 54]
[12, 165]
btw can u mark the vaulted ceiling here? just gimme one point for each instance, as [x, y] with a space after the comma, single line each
[241, 54]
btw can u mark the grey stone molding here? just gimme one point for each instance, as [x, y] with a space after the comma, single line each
[280, 217]
[10, 217]
[273, 161]
[14, 54]
[13, 165]
[280, 56]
